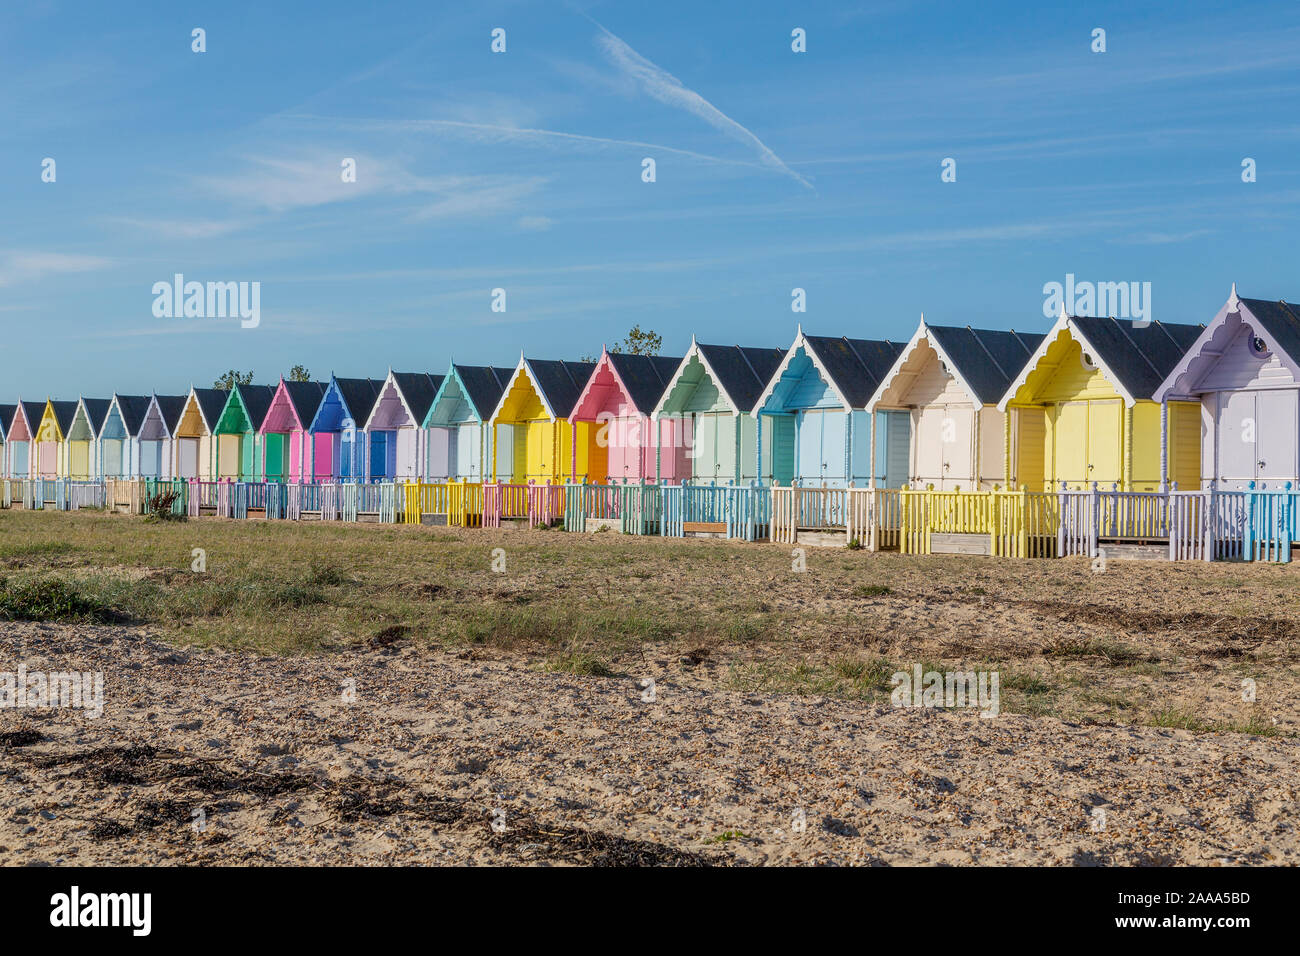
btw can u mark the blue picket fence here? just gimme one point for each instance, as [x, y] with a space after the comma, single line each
[739, 511]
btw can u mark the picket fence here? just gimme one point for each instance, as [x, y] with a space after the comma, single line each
[1261, 523]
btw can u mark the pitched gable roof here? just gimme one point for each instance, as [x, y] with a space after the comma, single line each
[1139, 357]
[742, 372]
[171, 407]
[6, 418]
[257, 402]
[211, 402]
[32, 411]
[559, 382]
[418, 390]
[64, 412]
[1277, 323]
[359, 395]
[483, 386]
[96, 413]
[306, 398]
[645, 377]
[133, 409]
[856, 366]
[1281, 320]
[986, 360]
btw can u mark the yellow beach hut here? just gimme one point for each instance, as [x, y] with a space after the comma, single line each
[532, 435]
[1083, 409]
[51, 454]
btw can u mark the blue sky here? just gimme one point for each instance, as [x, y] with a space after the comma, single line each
[522, 171]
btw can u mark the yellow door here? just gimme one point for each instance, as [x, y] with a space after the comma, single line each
[80, 455]
[539, 450]
[1070, 439]
[228, 456]
[1105, 442]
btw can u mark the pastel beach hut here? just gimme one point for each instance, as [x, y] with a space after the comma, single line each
[711, 398]
[1243, 373]
[394, 431]
[338, 428]
[948, 381]
[618, 400]
[194, 448]
[51, 431]
[533, 439]
[155, 439]
[119, 441]
[1083, 409]
[83, 438]
[22, 426]
[239, 449]
[813, 411]
[6, 419]
[286, 441]
[459, 444]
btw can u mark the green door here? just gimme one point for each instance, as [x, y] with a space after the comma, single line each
[274, 456]
[246, 470]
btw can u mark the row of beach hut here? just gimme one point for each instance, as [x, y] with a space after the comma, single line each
[955, 418]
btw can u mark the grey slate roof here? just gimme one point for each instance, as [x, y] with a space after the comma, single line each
[133, 409]
[359, 395]
[64, 412]
[988, 361]
[856, 366]
[96, 412]
[645, 376]
[560, 382]
[419, 389]
[484, 386]
[7, 413]
[33, 412]
[1140, 358]
[742, 371]
[172, 407]
[306, 398]
[257, 402]
[1281, 320]
[211, 402]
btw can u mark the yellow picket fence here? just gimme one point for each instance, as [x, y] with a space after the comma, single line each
[1018, 524]
[460, 501]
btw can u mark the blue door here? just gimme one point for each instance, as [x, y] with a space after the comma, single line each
[378, 454]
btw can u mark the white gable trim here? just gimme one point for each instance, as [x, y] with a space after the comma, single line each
[1234, 306]
[694, 352]
[400, 397]
[800, 341]
[1063, 323]
[922, 332]
[532, 379]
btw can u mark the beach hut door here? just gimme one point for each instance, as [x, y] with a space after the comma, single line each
[188, 452]
[112, 451]
[1275, 423]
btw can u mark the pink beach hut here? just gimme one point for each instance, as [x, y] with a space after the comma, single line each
[618, 398]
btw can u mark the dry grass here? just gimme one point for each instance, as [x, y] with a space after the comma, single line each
[1144, 643]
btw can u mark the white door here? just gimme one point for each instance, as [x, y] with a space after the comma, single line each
[928, 455]
[1275, 421]
[187, 452]
[957, 428]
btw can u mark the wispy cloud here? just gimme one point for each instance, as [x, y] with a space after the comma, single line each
[28, 266]
[494, 133]
[667, 89]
